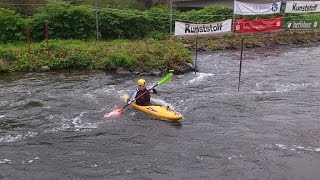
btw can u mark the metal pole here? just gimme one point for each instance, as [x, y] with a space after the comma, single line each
[195, 64]
[242, 40]
[97, 21]
[170, 17]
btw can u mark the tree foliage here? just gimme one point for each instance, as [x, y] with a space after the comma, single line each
[12, 26]
[64, 22]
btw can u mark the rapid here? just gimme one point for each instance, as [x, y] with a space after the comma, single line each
[52, 124]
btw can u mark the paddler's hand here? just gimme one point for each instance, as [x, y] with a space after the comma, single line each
[151, 88]
[129, 102]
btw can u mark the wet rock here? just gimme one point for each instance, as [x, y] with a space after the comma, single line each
[136, 72]
[121, 71]
[143, 74]
[45, 68]
[190, 66]
[183, 68]
[155, 72]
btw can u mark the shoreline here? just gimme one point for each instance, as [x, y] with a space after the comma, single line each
[177, 59]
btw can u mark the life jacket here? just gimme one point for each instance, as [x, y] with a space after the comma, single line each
[143, 100]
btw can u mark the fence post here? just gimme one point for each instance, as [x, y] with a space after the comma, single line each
[28, 37]
[170, 17]
[47, 38]
[97, 21]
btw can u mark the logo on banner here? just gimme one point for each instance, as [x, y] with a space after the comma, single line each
[253, 9]
[306, 8]
[194, 29]
[307, 24]
[203, 28]
[262, 25]
[274, 7]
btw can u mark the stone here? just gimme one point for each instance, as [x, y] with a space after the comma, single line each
[121, 71]
[45, 68]
[155, 72]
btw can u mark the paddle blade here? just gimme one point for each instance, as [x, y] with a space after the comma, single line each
[165, 79]
[114, 113]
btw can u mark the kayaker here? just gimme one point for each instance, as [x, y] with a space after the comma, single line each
[142, 94]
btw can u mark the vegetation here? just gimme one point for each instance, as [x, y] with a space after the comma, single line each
[142, 56]
[12, 26]
[72, 30]
[30, 7]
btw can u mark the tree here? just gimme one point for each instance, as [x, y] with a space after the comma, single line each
[24, 7]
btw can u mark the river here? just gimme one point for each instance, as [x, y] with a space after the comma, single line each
[52, 124]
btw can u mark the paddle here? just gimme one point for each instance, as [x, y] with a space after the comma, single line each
[118, 111]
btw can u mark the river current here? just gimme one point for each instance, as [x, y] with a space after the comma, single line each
[52, 124]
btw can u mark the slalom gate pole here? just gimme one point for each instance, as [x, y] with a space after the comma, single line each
[242, 40]
[195, 64]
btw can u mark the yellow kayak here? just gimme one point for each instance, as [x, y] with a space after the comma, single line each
[158, 111]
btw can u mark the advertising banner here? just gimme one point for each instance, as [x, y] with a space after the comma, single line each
[193, 29]
[254, 9]
[302, 6]
[262, 25]
[302, 24]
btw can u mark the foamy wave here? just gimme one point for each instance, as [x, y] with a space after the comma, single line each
[13, 138]
[297, 148]
[282, 88]
[75, 124]
[234, 157]
[2, 116]
[106, 90]
[201, 77]
[5, 161]
[30, 160]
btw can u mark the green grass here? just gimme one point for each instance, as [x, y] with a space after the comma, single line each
[143, 55]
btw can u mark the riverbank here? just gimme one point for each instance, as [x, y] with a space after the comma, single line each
[233, 41]
[139, 57]
[121, 56]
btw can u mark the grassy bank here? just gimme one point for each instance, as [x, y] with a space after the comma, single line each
[135, 56]
[141, 56]
[233, 41]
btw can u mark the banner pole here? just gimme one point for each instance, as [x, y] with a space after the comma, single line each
[242, 40]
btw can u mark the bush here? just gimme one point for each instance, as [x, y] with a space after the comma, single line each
[72, 61]
[130, 24]
[64, 22]
[208, 14]
[12, 26]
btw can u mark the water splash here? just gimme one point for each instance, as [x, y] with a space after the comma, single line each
[201, 77]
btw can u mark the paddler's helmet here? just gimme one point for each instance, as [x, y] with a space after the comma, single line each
[141, 82]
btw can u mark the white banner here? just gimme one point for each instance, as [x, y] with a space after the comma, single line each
[254, 9]
[302, 6]
[193, 29]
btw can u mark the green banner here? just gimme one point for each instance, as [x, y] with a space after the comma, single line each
[302, 24]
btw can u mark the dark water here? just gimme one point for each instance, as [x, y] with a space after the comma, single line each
[52, 125]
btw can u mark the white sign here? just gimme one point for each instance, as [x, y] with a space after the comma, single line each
[302, 6]
[193, 29]
[254, 9]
